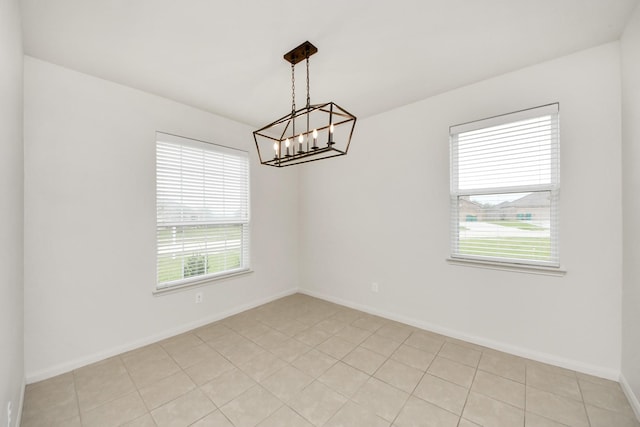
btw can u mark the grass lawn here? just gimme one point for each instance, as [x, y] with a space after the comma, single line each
[533, 248]
[198, 260]
[518, 224]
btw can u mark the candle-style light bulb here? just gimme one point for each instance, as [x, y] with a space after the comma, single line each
[275, 147]
[286, 144]
[300, 139]
[315, 139]
[331, 135]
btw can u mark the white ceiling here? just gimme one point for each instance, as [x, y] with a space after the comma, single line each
[225, 56]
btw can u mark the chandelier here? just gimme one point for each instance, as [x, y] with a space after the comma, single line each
[314, 132]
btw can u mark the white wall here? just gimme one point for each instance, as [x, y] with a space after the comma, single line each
[630, 44]
[381, 214]
[90, 221]
[11, 209]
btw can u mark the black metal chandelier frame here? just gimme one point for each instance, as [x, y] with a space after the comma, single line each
[326, 131]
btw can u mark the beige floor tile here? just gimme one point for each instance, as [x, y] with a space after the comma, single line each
[211, 331]
[261, 367]
[140, 357]
[154, 370]
[605, 418]
[344, 379]
[399, 375]
[380, 398]
[354, 415]
[144, 421]
[499, 388]
[291, 328]
[425, 342]
[353, 334]
[181, 342]
[285, 417]
[597, 380]
[189, 356]
[369, 323]
[314, 363]
[251, 407]
[227, 386]
[312, 337]
[286, 383]
[347, 315]
[465, 355]
[550, 368]
[444, 394]
[101, 382]
[333, 326]
[364, 359]
[166, 389]
[214, 419]
[466, 344]
[271, 340]
[209, 369]
[381, 345]
[556, 407]
[184, 410]
[290, 350]
[606, 397]
[467, 423]
[418, 413]
[243, 352]
[317, 403]
[535, 420]
[336, 347]
[255, 331]
[117, 412]
[53, 399]
[548, 380]
[452, 371]
[490, 412]
[227, 340]
[511, 367]
[395, 331]
[413, 357]
[71, 422]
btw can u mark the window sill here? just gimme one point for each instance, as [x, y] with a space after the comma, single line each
[518, 268]
[198, 282]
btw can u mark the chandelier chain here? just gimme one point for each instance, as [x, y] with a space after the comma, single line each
[293, 89]
[308, 96]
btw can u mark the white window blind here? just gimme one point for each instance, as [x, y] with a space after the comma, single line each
[202, 201]
[505, 182]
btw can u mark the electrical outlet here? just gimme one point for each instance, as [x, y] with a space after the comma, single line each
[9, 414]
[198, 297]
[374, 287]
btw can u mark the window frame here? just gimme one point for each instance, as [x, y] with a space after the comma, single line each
[550, 266]
[209, 224]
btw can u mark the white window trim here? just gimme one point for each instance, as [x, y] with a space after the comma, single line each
[504, 264]
[196, 281]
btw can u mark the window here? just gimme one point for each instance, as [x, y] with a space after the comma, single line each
[202, 203]
[505, 181]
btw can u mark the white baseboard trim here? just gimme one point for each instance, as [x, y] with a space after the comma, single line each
[631, 396]
[21, 403]
[610, 374]
[96, 357]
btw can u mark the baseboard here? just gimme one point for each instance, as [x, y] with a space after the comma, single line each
[574, 365]
[631, 396]
[18, 417]
[96, 357]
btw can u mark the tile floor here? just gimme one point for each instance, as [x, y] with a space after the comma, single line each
[301, 362]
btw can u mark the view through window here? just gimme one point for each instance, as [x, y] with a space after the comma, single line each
[505, 187]
[202, 200]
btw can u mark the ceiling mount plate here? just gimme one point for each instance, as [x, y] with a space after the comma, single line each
[300, 53]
